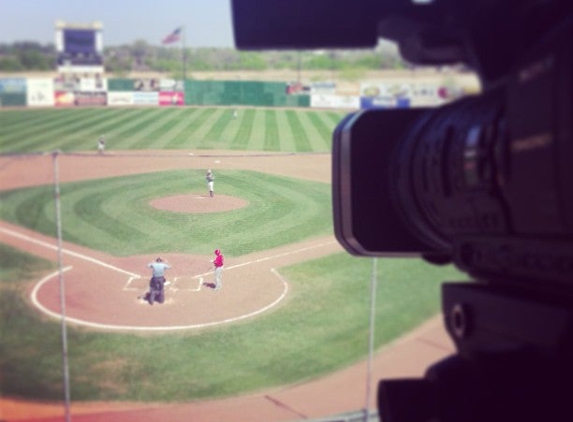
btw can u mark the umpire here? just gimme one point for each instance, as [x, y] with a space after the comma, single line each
[157, 282]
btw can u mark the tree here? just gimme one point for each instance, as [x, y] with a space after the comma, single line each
[33, 60]
[140, 50]
[10, 64]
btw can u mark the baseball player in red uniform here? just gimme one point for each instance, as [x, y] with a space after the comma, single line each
[218, 263]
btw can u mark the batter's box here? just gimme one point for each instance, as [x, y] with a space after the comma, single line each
[188, 284]
[136, 283]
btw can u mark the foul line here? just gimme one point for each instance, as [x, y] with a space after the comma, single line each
[153, 328]
[66, 251]
[268, 258]
[41, 307]
[256, 261]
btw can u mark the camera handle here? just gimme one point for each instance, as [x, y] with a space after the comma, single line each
[514, 362]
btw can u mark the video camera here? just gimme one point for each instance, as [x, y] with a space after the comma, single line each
[485, 182]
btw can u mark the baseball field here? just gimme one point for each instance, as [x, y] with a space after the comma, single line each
[294, 306]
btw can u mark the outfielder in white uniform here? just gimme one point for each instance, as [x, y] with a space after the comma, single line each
[210, 182]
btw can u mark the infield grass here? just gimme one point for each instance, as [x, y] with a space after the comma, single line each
[113, 215]
[323, 327]
[255, 129]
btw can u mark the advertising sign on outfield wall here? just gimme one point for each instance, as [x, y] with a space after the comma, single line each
[63, 99]
[384, 101]
[13, 86]
[145, 84]
[417, 94]
[170, 85]
[90, 98]
[384, 95]
[40, 92]
[119, 98]
[95, 84]
[171, 98]
[146, 98]
[323, 88]
[335, 101]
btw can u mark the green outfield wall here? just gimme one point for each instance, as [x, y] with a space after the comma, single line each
[46, 92]
[252, 93]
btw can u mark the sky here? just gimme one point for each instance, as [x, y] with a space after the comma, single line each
[207, 23]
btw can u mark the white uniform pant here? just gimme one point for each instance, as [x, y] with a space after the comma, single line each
[218, 277]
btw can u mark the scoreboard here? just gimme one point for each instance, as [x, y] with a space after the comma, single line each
[79, 47]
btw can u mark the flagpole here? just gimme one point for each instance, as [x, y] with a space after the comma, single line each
[183, 53]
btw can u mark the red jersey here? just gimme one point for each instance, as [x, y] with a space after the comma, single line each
[218, 262]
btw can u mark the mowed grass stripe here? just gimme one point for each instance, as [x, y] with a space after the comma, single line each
[69, 132]
[188, 135]
[182, 137]
[282, 208]
[214, 137]
[185, 128]
[93, 209]
[194, 118]
[299, 131]
[178, 124]
[315, 137]
[229, 132]
[61, 136]
[112, 126]
[287, 139]
[212, 115]
[113, 215]
[114, 211]
[258, 130]
[243, 127]
[325, 130]
[115, 121]
[46, 137]
[43, 121]
[333, 117]
[11, 119]
[140, 123]
[163, 123]
[86, 135]
[272, 137]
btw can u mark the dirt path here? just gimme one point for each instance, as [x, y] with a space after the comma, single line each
[252, 286]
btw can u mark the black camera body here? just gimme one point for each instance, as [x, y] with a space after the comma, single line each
[485, 182]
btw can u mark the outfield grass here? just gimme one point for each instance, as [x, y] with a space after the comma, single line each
[113, 215]
[322, 328]
[188, 128]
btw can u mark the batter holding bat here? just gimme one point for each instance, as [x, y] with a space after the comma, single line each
[218, 263]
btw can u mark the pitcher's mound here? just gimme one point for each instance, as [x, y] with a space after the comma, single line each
[196, 203]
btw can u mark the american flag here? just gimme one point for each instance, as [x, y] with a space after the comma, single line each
[173, 37]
